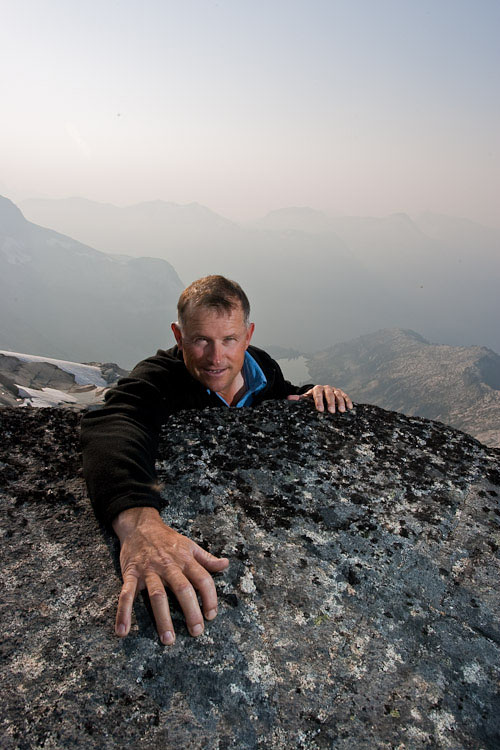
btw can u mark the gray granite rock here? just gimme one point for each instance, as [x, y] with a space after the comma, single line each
[360, 609]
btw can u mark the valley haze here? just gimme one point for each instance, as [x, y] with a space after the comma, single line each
[313, 279]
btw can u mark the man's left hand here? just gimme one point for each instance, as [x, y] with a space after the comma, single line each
[333, 398]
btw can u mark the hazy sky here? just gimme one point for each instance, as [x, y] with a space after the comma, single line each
[349, 106]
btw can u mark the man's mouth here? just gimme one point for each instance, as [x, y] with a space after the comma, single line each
[214, 372]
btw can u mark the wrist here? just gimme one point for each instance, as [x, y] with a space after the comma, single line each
[128, 520]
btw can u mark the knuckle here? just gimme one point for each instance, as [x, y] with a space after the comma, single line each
[164, 561]
[125, 596]
[130, 572]
[206, 584]
[181, 587]
[157, 594]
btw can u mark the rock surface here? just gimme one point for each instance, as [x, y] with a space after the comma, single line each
[360, 609]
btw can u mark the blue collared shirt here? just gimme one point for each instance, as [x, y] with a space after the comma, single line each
[255, 381]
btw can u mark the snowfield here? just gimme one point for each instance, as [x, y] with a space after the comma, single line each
[83, 374]
[45, 397]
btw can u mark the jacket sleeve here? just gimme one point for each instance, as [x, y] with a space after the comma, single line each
[119, 444]
[294, 390]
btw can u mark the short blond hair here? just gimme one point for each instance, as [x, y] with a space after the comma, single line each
[216, 292]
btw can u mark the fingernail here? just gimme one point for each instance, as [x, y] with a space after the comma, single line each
[197, 630]
[168, 638]
[211, 614]
[121, 629]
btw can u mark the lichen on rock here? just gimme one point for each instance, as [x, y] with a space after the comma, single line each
[360, 608]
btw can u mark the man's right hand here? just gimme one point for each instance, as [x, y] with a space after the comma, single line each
[152, 554]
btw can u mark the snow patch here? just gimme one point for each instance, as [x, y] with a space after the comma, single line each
[45, 397]
[83, 374]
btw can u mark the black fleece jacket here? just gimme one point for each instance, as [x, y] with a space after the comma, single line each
[120, 441]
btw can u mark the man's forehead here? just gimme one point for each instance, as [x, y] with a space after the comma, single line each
[213, 314]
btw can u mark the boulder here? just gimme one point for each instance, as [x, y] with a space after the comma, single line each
[360, 609]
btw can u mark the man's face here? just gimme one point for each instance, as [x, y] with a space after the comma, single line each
[213, 344]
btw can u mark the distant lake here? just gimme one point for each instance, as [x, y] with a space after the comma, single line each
[295, 370]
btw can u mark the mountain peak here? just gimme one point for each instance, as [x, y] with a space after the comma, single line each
[11, 216]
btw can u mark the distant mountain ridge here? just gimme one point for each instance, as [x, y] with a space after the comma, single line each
[401, 371]
[61, 298]
[315, 279]
[154, 228]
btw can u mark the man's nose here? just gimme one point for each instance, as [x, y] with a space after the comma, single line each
[215, 352]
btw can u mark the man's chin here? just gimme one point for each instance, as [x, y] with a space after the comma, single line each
[215, 380]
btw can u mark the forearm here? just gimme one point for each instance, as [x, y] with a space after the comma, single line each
[118, 464]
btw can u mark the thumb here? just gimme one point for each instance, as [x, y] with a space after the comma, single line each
[293, 398]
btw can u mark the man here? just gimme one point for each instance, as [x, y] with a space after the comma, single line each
[212, 364]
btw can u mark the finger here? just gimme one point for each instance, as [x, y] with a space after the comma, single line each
[331, 399]
[318, 396]
[340, 397]
[301, 396]
[340, 400]
[125, 604]
[186, 596]
[161, 610]
[210, 562]
[204, 584]
[343, 400]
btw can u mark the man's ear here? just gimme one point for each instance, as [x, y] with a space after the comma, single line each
[178, 334]
[250, 331]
